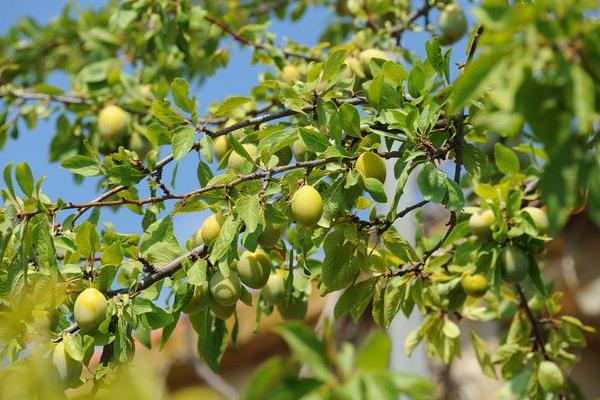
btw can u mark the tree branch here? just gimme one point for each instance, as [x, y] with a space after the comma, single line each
[537, 334]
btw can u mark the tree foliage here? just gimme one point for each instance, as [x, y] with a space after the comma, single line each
[517, 119]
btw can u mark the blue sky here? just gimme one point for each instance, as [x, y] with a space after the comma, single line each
[237, 79]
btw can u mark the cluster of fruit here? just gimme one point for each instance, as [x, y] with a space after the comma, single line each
[514, 260]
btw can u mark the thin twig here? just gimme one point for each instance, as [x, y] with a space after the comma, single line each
[537, 334]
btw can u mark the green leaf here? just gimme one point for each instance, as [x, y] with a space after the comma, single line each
[338, 269]
[473, 81]
[164, 113]
[222, 244]
[583, 98]
[248, 208]
[73, 347]
[434, 55]
[432, 183]
[506, 160]
[307, 348]
[355, 299]
[333, 65]
[81, 165]
[212, 337]
[376, 189]
[455, 199]
[374, 354]
[231, 104]
[314, 140]
[374, 91]
[393, 295]
[24, 178]
[483, 355]
[158, 134]
[394, 73]
[350, 120]
[416, 80]
[180, 89]
[183, 141]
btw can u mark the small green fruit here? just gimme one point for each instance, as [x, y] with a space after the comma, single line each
[299, 149]
[481, 223]
[271, 235]
[236, 161]
[293, 307]
[290, 74]
[367, 55]
[199, 299]
[220, 311]
[274, 291]
[371, 165]
[474, 285]
[197, 238]
[225, 291]
[90, 309]
[254, 269]
[539, 217]
[515, 264]
[112, 122]
[452, 23]
[68, 368]
[211, 227]
[550, 377]
[139, 145]
[307, 205]
[221, 146]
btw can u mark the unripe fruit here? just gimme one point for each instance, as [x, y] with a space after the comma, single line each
[221, 146]
[307, 205]
[140, 146]
[225, 291]
[199, 299]
[236, 161]
[290, 74]
[481, 223]
[90, 309]
[293, 308]
[284, 155]
[220, 311]
[254, 269]
[550, 377]
[452, 23]
[270, 236]
[474, 285]
[515, 264]
[68, 368]
[299, 149]
[112, 122]
[371, 165]
[355, 66]
[539, 217]
[211, 227]
[367, 55]
[274, 291]
[197, 238]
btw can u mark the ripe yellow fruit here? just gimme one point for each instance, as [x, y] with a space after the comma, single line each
[290, 74]
[225, 291]
[284, 155]
[307, 205]
[293, 307]
[221, 146]
[112, 122]
[139, 145]
[355, 66]
[474, 285]
[515, 264]
[274, 291]
[550, 377]
[481, 223]
[211, 228]
[254, 268]
[236, 161]
[299, 149]
[270, 236]
[539, 217]
[199, 299]
[220, 311]
[90, 309]
[371, 165]
[367, 55]
[68, 368]
[452, 23]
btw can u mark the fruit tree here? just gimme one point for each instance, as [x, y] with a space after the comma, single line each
[294, 179]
